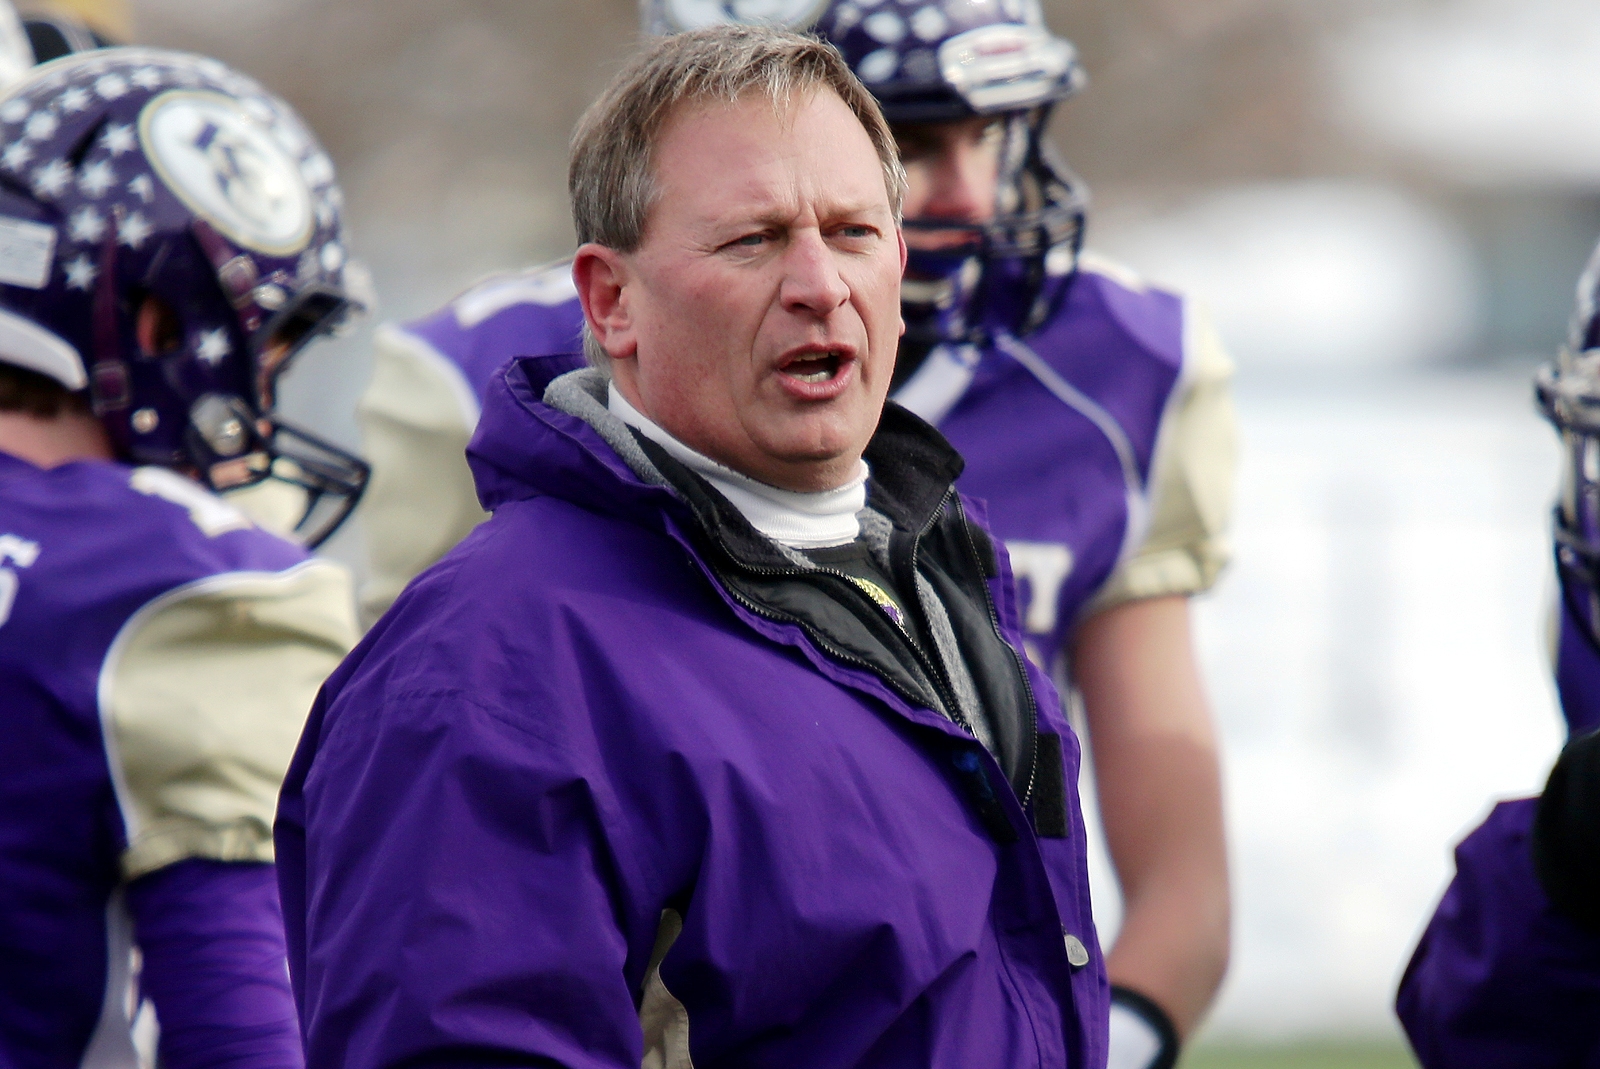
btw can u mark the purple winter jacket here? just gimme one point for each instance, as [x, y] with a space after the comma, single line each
[601, 786]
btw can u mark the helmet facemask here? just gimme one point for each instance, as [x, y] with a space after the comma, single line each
[990, 273]
[1568, 394]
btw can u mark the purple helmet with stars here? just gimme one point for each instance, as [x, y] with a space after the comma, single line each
[170, 238]
[932, 61]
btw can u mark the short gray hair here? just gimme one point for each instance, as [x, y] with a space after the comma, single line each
[610, 173]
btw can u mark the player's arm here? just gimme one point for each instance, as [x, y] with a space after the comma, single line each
[416, 418]
[1150, 728]
[211, 938]
[204, 697]
[1157, 773]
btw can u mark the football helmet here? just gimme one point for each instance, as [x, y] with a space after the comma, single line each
[942, 61]
[156, 195]
[1568, 394]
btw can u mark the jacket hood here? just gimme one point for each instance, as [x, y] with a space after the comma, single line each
[526, 447]
[546, 430]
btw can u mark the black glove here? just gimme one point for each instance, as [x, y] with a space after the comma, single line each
[1566, 833]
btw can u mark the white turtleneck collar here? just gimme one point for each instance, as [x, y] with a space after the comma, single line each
[799, 521]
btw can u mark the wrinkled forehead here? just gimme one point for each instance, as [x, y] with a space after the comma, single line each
[728, 155]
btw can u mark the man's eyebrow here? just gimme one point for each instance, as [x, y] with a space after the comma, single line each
[781, 216]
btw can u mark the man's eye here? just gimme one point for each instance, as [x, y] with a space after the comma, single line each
[751, 241]
[856, 231]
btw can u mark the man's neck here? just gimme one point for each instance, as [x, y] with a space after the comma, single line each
[798, 520]
[50, 441]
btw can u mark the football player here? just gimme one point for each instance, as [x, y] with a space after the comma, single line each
[1507, 973]
[1092, 410]
[169, 240]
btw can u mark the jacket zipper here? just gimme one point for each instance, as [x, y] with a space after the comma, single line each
[1016, 658]
[941, 673]
[952, 707]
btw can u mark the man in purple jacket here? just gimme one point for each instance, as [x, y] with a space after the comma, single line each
[1507, 973]
[169, 239]
[714, 745]
[1092, 410]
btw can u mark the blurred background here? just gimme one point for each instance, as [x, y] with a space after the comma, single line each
[1386, 205]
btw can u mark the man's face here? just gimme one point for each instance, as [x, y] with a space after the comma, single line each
[759, 319]
[952, 174]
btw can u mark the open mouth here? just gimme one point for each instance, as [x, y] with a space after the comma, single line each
[815, 367]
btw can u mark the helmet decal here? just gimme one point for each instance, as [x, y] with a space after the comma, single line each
[226, 167]
[1004, 66]
[672, 16]
[27, 250]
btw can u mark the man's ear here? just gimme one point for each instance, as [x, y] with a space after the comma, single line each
[905, 255]
[601, 275]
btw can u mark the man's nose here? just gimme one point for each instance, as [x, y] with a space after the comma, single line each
[811, 281]
[959, 187]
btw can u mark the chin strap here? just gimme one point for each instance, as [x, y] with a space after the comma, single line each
[1142, 1035]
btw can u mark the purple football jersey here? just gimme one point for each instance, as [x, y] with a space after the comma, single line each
[84, 548]
[529, 313]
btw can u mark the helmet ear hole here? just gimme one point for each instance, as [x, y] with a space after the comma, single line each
[157, 327]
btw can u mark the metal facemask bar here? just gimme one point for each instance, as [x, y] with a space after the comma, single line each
[1568, 394]
[332, 478]
[234, 448]
[235, 445]
[1050, 208]
[314, 311]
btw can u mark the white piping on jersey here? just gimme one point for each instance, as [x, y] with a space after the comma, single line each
[1136, 492]
[112, 1044]
[546, 285]
[113, 660]
[467, 401]
[942, 380]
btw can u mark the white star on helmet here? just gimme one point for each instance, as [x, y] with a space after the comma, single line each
[16, 154]
[96, 179]
[51, 179]
[133, 229]
[213, 346]
[41, 126]
[81, 272]
[86, 225]
[118, 139]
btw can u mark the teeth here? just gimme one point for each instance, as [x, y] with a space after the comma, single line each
[826, 366]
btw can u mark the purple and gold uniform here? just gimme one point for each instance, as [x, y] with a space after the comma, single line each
[1103, 442]
[158, 654]
[1504, 977]
[171, 240]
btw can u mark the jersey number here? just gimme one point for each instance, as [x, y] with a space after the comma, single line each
[209, 512]
[22, 553]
